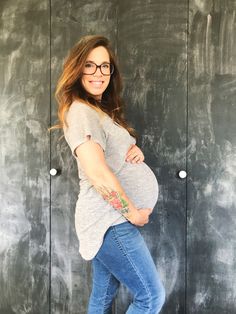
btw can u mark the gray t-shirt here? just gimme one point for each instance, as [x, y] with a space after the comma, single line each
[94, 215]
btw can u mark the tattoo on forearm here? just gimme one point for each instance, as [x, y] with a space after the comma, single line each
[115, 199]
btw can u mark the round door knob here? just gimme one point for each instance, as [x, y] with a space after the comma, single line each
[53, 172]
[182, 174]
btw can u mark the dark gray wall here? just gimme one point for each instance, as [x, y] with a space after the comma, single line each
[211, 197]
[152, 51]
[71, 276]
[25, 157]
[178, 62]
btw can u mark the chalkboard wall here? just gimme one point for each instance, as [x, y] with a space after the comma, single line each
[178, 62]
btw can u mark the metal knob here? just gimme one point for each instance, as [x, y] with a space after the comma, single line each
[53, 172]
[182, 174]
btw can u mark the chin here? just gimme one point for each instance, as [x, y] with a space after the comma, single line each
[97, 96]
[95, 92]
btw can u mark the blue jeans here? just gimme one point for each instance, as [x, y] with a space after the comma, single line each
[124, 257]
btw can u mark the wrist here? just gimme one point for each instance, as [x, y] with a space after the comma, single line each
[132, 215]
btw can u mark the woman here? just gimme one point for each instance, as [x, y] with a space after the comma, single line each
[117, 189]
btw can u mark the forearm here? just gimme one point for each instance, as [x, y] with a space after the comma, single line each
[107, 184]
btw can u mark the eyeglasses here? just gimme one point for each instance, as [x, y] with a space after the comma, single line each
[106, 68]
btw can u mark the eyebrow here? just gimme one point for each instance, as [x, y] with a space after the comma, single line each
[94, 62]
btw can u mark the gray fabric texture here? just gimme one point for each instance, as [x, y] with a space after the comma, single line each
[94, 215]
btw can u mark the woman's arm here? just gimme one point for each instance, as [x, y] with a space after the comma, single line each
[92, 160]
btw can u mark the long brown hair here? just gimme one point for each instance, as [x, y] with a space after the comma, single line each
[70, 87]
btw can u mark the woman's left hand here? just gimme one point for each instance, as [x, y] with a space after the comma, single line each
[134, 154]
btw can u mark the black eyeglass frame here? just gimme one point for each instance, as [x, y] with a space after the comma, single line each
[112, 68]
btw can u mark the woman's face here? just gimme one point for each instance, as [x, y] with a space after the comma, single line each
[95, 84]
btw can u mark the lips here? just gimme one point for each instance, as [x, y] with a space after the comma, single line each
[96, 83]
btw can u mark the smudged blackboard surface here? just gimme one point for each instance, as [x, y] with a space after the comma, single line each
[71, 275]
[25, 182]
[153, 56]
[178, 61]
[211, 285]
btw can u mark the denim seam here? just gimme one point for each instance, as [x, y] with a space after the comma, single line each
[123, 250]
[106, 290]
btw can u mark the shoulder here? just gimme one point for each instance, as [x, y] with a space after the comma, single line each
[79, 110]
[81, 113]
[79, 107]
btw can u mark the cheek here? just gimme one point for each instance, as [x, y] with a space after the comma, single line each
[83, 82]
[107, 82]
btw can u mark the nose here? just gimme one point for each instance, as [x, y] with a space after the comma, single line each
[98, 73]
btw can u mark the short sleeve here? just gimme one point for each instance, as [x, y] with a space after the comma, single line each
[82, 121]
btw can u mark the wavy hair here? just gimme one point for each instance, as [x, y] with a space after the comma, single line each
[69, 86]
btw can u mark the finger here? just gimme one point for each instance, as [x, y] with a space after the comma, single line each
[132, 147]
[131, 154]
[129, 157]
[135, 159]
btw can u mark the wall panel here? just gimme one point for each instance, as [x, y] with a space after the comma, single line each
[71, 275]
[211, 285]
[152, 53]
[24, 162]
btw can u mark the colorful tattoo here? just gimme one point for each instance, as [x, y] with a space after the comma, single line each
[115, 199]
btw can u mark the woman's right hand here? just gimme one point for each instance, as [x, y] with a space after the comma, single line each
[141, 217]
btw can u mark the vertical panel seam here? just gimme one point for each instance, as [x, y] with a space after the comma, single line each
[186, 160]
[117, 40]
[117, 23]
[50, 160]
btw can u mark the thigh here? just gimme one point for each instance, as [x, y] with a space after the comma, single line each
[125, 253]
[104, 283]
[104, 289]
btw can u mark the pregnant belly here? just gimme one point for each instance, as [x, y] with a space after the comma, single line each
[139, 183]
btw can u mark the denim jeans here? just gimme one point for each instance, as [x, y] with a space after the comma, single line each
[124, 257]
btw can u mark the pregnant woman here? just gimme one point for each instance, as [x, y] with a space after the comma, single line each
[118, 191]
